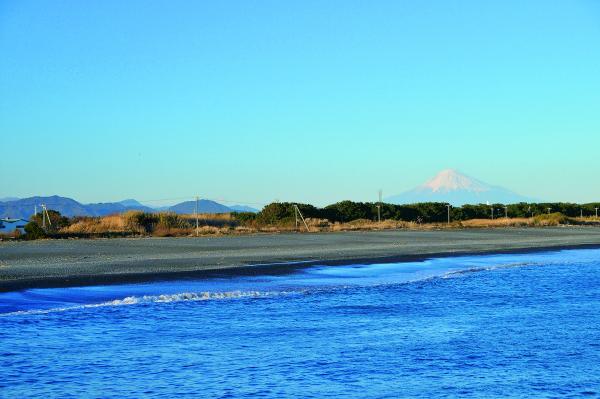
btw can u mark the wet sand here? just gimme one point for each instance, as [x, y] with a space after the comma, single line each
[51, 263]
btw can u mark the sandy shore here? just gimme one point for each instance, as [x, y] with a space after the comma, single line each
[82, 262]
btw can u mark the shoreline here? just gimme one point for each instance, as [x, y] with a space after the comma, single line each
[47, 264]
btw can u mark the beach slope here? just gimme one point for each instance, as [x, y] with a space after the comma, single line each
[51, 263]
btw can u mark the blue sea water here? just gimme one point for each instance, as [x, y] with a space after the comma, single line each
[519, 325]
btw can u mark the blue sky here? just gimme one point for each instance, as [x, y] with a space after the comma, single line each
[310, 101]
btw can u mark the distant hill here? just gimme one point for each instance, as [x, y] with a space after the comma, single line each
[107, 208]
[132, 203]
[7, 199]
[457, 189]
[25, 207]
[204, 206]
[243, 208]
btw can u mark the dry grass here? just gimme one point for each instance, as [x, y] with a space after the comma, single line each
[15, 235]
[98, 225]
[364, 224]
[503, 222]
[163, 224]
[168, 224]
[553, 219]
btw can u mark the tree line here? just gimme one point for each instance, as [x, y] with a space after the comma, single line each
[427, 212]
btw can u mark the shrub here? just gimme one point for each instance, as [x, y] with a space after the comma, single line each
[245, 218]
[171, 220]
[33, 231]
[282, 214]
[142, 222]
[553, 219]
[57, 221]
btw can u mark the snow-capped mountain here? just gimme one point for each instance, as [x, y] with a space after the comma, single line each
[456, 188]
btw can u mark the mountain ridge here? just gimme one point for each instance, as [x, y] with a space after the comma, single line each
[456, 188]
[23, 208]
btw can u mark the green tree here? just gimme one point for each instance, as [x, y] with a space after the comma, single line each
[33, 231]
[57, 221]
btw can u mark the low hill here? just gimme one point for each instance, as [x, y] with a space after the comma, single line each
[204, 206]
[243, 208]
[107, 208]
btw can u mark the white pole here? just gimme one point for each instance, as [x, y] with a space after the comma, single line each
[48, 216]
[302, 217]
[506, 212]
[296, 215]
[379, 208]
[196, 214]
[448, 206]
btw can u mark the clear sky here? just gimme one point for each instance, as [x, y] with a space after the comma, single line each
[313, 101]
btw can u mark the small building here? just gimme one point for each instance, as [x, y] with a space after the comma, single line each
[8, 225]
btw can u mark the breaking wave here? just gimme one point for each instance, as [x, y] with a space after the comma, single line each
[211, 296]
[164, 298]
[456, 273]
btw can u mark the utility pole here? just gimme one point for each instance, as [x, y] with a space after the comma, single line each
[506, 212]
[549, 209]
[596, 212]
[492, 213]
[196, 214]
[296, 215]
[297, 212]
[379, 208]
[581, 213]
[45, 216]
[448, 206]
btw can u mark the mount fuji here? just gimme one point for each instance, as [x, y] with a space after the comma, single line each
[457, 189]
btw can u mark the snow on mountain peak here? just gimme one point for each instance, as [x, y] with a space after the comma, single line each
[451, 180]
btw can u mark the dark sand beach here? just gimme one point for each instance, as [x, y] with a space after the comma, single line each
[51, 263]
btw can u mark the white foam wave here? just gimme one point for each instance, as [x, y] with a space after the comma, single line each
[163, 298]
[207, 296]
[457, 273]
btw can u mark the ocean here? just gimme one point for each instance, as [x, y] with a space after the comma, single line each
[511, 325]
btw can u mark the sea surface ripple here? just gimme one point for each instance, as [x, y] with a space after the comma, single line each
[519, 325]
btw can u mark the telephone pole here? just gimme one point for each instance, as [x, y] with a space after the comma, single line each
[196, 214]
[492, 213]
[596, 212]
[506, 212]
[45, 216]
[379, 208]
[448, 206]
[298, 213]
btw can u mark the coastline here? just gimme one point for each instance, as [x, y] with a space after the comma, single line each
[64, 263]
